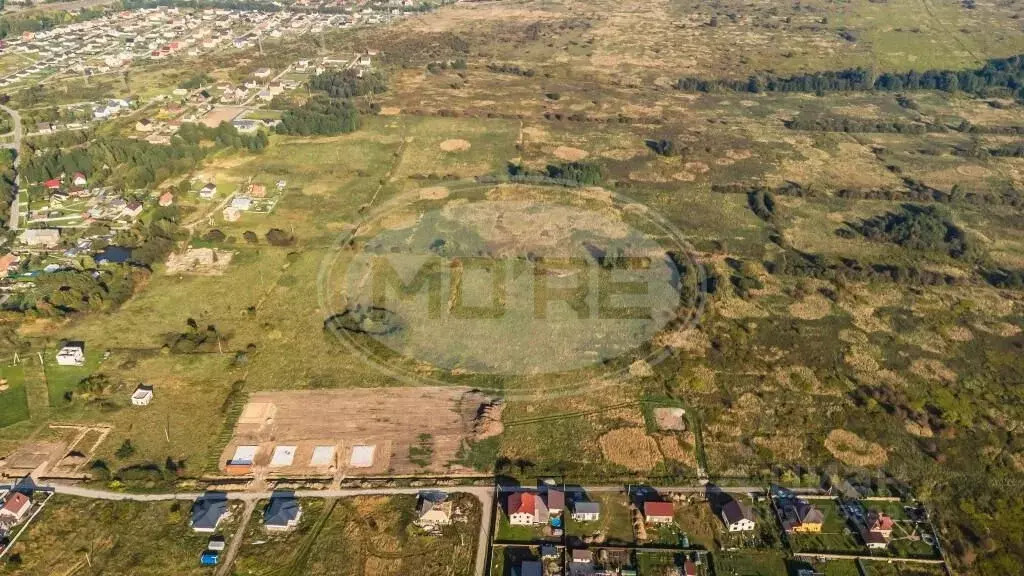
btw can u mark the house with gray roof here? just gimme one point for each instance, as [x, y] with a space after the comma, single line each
[208, 511]
[283, 512]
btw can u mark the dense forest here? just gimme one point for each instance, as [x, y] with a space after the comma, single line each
[320, 115]
[1001, 76]
[348, 83]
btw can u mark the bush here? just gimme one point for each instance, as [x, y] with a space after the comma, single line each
[126, 450]
[278, 237]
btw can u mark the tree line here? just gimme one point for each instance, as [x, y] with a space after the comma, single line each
[999, 76]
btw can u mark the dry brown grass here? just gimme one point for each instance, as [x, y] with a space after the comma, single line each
[959, 334]
[860, 358]
[689, 340]
[631, 448]
[932, 369]
[570, 154]
[813, 307]
[851, 449]
[786, 448]
[679, 448]
[455, 145]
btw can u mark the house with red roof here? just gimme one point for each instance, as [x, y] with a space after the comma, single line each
[881, 523]
[52, 184]
[15, 508]
[526, 509]
[659, 512]
[166, 199]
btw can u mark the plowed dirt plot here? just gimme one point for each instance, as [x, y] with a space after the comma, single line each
[403, 430]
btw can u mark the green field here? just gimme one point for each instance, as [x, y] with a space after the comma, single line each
[13, 400]
[79, 536]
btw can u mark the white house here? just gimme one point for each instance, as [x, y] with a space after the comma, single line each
[737, 516]
[586, 511]
[143, 395]
[15, 507]
[207, 192]
[73, 354]
[526, 509]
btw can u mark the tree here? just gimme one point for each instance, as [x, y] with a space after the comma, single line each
[126, 450]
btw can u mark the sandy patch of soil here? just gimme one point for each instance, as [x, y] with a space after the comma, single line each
[390, 111]
[697, 167]
[199, 261]
[455, 145]
[851, 449]
[684, 177]
[631, 448]
[669, 418]
[570, 154]
[433, 193]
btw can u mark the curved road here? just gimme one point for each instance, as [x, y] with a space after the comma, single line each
[12, 222]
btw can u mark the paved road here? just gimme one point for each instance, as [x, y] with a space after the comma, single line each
[12, 222]
[483, 493]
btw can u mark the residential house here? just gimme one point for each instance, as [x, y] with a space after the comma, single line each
[207, 513]
[15, 508]
[526, 508]
[52, 184]
[79, 179]
[586, 511]
[208, 191]
[71, 354]
[801, 518]
[143, 395]
[144, 125]
[689, 568]
[166, 199]
[582, 557]
[241, 203]
[528, 568]
[555, 500]
[738, 517]
[6, 262]
[881, 523]
[257, 190]
[44, 127]
[433, 510]
[262, 73]
[656, 512]
[132, 209]
[874, 540]
[283, 513]
[877, 530]
[45, 237]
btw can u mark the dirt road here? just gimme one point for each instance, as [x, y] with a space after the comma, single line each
[12, 222]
